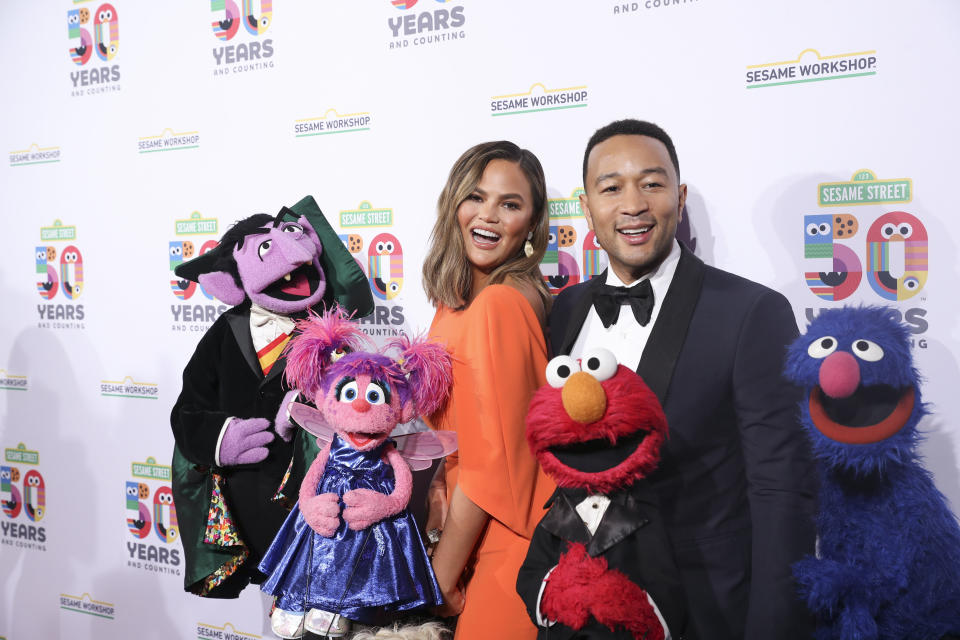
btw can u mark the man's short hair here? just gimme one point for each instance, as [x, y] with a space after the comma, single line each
[630, 127]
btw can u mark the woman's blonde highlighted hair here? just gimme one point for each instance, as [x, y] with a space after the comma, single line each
[447, 277]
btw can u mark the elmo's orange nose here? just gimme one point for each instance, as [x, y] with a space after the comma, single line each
[583, 398]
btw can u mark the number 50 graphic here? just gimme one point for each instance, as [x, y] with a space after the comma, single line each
[106, 33]
[226, 28]
[34, 497]
[896, 255]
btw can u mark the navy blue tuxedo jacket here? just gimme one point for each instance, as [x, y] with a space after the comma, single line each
[735, 482]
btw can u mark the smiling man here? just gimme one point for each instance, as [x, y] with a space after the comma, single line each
[735, 479]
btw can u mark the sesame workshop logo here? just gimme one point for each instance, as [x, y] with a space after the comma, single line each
[67, 280]
[622, 8]
[195, 236]
[155, 530]
[560, 267]
[11, 382]
[383, 265]
[894, 247]
[86, 604]
[538, 98]
[102, 73]
[129, 388]
[226, 632]
[810, 66]
[250, 52]
[23, 495]
[425, 26]
[169, 140]
[34, 154]
[332, 122]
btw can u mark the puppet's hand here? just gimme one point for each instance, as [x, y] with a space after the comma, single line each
[322, 513]
[618, 603]
[282, 424]
[366, 507]
[245, 442]
[569, 588]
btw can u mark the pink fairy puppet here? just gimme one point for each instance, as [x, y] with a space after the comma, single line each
[350, 550]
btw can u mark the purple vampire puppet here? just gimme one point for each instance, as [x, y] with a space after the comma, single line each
[237, 464]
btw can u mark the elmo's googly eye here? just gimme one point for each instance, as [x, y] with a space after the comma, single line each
[599, 363]
[822, 347]
[866, 350]
[560, 369]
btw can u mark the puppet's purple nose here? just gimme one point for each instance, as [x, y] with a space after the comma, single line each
[839, 374]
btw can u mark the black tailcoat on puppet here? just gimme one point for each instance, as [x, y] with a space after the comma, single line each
[228, 515]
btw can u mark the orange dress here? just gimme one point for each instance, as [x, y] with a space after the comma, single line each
[499, 356]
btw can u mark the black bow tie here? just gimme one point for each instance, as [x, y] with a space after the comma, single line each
[607, 300]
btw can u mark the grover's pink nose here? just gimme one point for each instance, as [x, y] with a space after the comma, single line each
[839, 374]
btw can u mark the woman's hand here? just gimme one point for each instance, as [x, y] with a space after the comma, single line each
[453, 601]
[436, 507]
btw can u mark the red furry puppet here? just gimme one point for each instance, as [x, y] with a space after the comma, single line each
[350, 550]
[599, 563]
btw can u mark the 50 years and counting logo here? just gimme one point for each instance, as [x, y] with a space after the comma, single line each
[891, 257]
[60, 283]
[380, 255]
[427, 25]
[23, 494]
[251, 51]
[195, 309]
[151, 519]
[98, 73]
[568, 261]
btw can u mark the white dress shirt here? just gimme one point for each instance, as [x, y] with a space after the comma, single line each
[627, 338]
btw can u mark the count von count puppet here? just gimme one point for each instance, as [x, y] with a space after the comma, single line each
[236, 453]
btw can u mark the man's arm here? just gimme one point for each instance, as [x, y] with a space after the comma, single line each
[780, 474]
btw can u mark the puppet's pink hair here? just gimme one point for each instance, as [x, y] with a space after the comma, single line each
[308, 353]
[430, 371]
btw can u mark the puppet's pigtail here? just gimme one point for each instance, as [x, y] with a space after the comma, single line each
[429, 369]
[317, 342]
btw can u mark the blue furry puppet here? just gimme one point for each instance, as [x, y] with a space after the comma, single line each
[888, 563]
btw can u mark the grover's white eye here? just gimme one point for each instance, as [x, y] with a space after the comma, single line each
[599, 363]
[822, 347]
[866, 350]
[560, 369]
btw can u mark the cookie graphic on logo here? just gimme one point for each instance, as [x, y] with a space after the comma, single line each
[844, 226]
[566, 236]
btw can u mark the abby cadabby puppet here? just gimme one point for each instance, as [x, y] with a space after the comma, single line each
[350, 550]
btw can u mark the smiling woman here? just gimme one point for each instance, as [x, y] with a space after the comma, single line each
[484, 278]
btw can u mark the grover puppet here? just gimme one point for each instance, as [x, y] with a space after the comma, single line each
[328, 566]
[888, 562]
[229, 465]
[600, 564]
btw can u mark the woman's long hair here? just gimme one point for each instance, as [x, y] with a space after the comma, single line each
[447, 277]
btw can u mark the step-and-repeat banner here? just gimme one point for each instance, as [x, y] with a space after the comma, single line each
[137, 132]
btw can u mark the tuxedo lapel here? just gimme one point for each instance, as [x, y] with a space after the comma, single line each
[621, 519]
[578, 313]
[240, 326]
[670, 330]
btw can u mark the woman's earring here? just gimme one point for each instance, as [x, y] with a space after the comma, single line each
[528, 246]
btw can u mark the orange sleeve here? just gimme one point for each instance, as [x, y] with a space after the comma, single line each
[498, 363]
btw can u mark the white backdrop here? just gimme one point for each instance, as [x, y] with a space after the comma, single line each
[365, 104]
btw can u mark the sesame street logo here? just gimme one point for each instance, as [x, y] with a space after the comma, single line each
[24, 499]
[251, 51]
[572, 252]
[59, 267]
[151, 518]
[538, 98]
[100, 74]
[35, 154]
[810, 66]
[169, 140]
[195, 309]
[332, 122]
[426, 26]
[364, 227]
[87, 605]
[890, 260]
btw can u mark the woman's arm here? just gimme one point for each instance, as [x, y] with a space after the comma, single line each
[461, 531]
